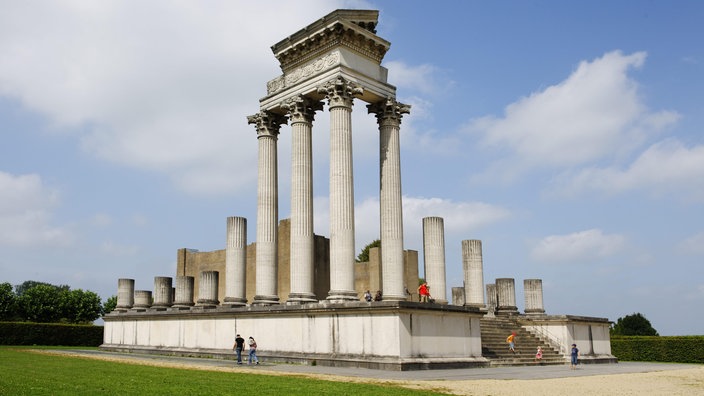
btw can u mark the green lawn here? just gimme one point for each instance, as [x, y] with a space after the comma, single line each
[27, 373]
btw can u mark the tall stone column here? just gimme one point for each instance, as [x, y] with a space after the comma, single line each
[236, 262]
[208, 289]
[183, 293]
[162, 291]
[473, 264]
[533, 293]
[388, 114]
[125, 294]
[434, 257]
[301, 111]
[340, 94]
[267, 126]
[506, 290]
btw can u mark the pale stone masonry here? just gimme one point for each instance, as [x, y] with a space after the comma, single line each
[473, 266]
[434, 257]
[533, 294]
[183, 294]
[236, 262]
[162, 291]
[208, 289]
[125, 294]
[506, 301]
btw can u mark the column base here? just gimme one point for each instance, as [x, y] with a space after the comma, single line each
[342, 296]
[265, 300]
[235, 301]
[301, 298]
[203, 302]
[183, 304]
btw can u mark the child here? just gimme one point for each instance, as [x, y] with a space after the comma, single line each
[539, 355]
[574, 354]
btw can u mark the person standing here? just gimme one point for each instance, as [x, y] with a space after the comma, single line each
[252, 351]
[574, 355]
[238, 347]
[511, 339]
[367, 296]
[424, 292]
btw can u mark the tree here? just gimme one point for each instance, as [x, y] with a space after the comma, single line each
[78, 306]
[41, 303]
[109, 305]
[364, 255]
[633, 325]
[8, 302]
[26, 285]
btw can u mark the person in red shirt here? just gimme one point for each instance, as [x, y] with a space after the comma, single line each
[424, 292]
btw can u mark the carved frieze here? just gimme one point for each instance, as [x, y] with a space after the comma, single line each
[289, 79]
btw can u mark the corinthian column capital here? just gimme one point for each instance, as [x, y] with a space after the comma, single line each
[389, 110]
[301, 108]
[340, 92]
[267, 124]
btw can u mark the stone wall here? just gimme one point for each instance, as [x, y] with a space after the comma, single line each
[191, 262]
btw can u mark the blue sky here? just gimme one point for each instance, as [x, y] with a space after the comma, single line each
[567, 136]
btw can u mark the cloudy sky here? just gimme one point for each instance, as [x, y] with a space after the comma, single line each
[566, 136]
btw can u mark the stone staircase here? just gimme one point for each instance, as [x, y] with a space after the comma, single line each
[495, 348]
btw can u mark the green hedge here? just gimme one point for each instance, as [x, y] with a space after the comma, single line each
[680, 349]
[25, 333]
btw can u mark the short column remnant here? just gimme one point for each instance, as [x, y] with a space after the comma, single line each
[162, 292]
[458, 296]
[125, 294]
[491, 299]
[533, 293]
[183, 292]
[142, 300]
[434, 257]
[236, 262]
[473, 264]
[506, 290]
[208, 289]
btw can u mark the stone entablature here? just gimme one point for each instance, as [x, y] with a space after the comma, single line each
[353, 29]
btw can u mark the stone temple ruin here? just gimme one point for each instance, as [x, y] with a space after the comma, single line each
[298, 293]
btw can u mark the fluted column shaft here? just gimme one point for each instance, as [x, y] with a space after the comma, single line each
[434, 257]
[267, 126]
[208, 288]
[389, 113]
[236, 261]
[340, 94]
[301, 112]
[533, 294]
[162, 291]
[473, 264]
[183, 295]
[506, 290]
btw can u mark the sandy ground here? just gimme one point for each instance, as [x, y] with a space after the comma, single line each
[671, 382]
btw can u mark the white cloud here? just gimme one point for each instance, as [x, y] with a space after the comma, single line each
[595, 113]
[693, 245]
[170, 97]
[25, 213]
[425, 78]
[665, 168]
[580, 246]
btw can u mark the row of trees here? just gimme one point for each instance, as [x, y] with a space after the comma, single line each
[46, 303]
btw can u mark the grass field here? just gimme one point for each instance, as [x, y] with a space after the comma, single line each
[27, 373]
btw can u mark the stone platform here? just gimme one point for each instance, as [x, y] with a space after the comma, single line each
[389, 335]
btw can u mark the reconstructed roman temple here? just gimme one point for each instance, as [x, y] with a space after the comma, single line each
[300, 294]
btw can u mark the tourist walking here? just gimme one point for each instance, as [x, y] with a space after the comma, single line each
[574, 355]
[539, 355]
[511, 339]
[252, 351]
[238, 347]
